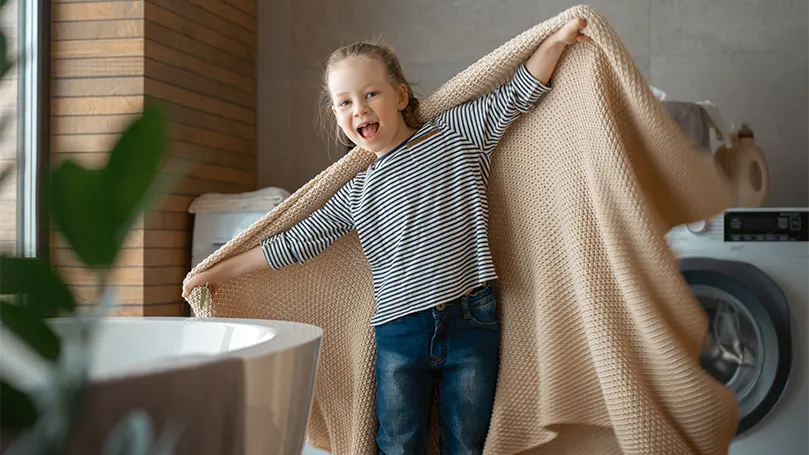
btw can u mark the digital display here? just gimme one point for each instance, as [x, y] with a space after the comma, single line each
[758, 223]
[761, 226]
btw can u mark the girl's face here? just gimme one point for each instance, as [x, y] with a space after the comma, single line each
[368, 108]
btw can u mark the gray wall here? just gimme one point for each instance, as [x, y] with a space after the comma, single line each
[749, 57]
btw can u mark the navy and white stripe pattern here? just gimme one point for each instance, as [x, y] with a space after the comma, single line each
[420, 211]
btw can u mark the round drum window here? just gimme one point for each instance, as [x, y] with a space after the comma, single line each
[733, 343]
[748, 345]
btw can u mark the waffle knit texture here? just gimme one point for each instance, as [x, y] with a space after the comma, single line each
[601, 334]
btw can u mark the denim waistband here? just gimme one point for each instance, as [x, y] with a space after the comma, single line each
[467, 297]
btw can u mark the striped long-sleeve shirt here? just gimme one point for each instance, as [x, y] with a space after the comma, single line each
[420, 211]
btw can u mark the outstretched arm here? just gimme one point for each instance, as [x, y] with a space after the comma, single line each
[483, 121]
[300, 243]
[242, 264]
[543, 61]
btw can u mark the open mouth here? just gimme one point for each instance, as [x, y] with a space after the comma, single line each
[368, 130]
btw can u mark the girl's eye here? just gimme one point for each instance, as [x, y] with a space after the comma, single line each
[371, 94]
[343, 103]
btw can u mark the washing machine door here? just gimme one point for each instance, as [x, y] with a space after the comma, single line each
[748, 347]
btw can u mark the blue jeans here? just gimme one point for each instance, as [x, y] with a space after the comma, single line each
[452, 349]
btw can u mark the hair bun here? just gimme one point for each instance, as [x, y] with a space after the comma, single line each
[413, 103]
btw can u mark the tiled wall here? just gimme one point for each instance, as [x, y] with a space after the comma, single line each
[198, 58]
[750, 58]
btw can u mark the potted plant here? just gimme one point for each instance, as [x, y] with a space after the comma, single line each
[94, 210]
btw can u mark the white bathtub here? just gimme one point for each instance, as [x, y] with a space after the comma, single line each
[274, 361]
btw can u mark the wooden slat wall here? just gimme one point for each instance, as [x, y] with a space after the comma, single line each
[198, 58]
[201, 64]
[8, 138]
[8, 209]
[97, 86]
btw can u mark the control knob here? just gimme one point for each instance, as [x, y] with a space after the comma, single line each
[697, 227]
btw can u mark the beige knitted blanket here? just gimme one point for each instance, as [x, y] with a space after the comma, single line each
[601, 336]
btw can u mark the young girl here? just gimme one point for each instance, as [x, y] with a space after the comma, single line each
[421, 214]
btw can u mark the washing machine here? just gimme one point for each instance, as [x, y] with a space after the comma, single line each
[750, 270]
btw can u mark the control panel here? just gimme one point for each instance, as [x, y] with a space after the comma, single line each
[766, 225]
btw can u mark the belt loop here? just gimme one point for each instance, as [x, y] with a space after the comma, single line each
[465, 307]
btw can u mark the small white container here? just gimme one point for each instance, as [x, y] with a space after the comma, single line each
[220, 217]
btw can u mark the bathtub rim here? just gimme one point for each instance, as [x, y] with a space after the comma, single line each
[276, 344]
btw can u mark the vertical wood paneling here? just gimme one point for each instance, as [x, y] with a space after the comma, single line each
[8, 209]
[198, 58]
[201, 64]
[97, 86]
[8, 143]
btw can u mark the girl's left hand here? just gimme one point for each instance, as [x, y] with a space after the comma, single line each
[571, 32]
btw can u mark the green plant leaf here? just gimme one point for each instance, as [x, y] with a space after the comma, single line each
[132, 435]
[132, 169]
[206, 294]
[5, 63]
[80, 210]
[5, 173]
[45, 293]
[30, 329]
[16, 408]
[95, 209]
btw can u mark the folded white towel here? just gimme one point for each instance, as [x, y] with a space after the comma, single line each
[262, 200]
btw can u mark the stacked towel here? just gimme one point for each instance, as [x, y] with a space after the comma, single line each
[262, 200]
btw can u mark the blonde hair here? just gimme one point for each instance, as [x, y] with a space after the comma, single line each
[387, 56]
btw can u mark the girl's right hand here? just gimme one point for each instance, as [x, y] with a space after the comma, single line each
[238, 265]
[200, 279]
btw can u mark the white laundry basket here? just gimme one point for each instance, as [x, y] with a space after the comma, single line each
[220, 217]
